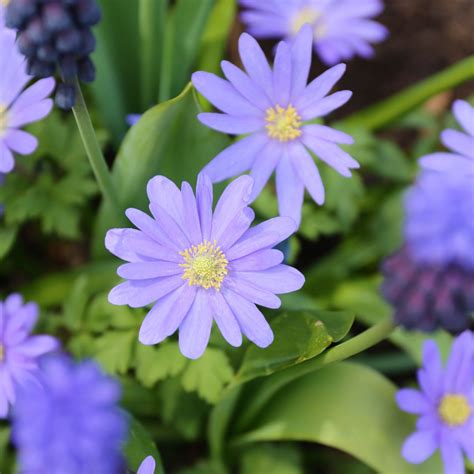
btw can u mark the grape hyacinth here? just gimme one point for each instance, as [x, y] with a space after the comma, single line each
[461, 159]
[147, 466]
[274, 107]
[70, 422]
[19, 350]
[19, 105]
[197, 265]
[445, 405]
[56, 32]
[340, 29]
[428, 296]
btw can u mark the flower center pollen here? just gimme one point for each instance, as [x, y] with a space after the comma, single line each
[311, 16]
[4, 3]
[204, 265]
[283, 124]
[2, 353]
[454, 410]
[3, 117]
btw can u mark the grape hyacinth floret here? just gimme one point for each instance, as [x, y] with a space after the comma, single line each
[19, 350]
[19, 105]
[445, 405]
[196, 265]
[461, 158]
[70, 422]
[273, 108]
[428, 296]
[56, 33]
[341, 29]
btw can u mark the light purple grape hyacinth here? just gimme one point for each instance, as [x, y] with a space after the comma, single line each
[445, 405]
[461, 158]
[341, 29]
[19, 351]
[196, 265]
[147, 466]
[272, 107]
[439, 224]
[18, 106]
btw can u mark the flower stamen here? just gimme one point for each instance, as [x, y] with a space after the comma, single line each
[3, 119]
[2, 353]
[454, 410]
[204, 265]
[311, 16]
[283, 124]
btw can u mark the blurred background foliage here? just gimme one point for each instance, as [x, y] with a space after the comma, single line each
[245, 409]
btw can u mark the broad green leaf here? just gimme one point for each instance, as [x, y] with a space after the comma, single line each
[208, 375]
[268, 458]
[345, 406]
[153, 364]
[114, 350]
[168, 140]
[299, 336]
[7, 239]
[139, 446]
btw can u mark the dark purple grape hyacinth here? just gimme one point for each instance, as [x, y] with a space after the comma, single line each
[56, 33]
[428, 296]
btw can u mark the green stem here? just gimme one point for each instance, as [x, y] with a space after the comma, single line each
[387, 111]
[343, 351]
[93, 150]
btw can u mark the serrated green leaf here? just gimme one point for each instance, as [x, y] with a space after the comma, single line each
[114, 350]
[345, 406]
[208, 375]
[153, 364]
[299, 336]
[75, 304]
[139, 446]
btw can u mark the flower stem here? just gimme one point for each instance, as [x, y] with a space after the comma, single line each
[353, 346]
[93, 150]
[382, 114]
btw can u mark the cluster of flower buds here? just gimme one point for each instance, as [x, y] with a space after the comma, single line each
[56, 33]
[428, 296]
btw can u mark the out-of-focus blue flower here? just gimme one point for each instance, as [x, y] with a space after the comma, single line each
[18, 106]
[70, 422]
[445, 406]
[19, 350]
[273, 106]
[198, 265]
[428, 296]
[147, 466]
[461, 158]
[439, 225]
[341, 29]
[132, 119]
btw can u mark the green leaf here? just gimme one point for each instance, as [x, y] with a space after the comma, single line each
[208, 375]
[139, 446]
[268, 458]
[74, 306]
[114, 350]
[168, 140]
[299, 336]
[153, 364]
[348, 407]
[7, 239]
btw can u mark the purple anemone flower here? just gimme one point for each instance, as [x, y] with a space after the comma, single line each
[197, 265]
[461, 157]
[273, 107]
[19, 351]
[70, 422]
[18, 106]
[439, 225]
[445, 405]
[340, 29]
[147, 466]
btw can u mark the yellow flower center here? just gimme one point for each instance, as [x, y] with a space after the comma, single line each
[3, 118]
[204, 265]
[2, 353]
[5, 2]
[454, 410]
[283, 124]
[311, 16]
